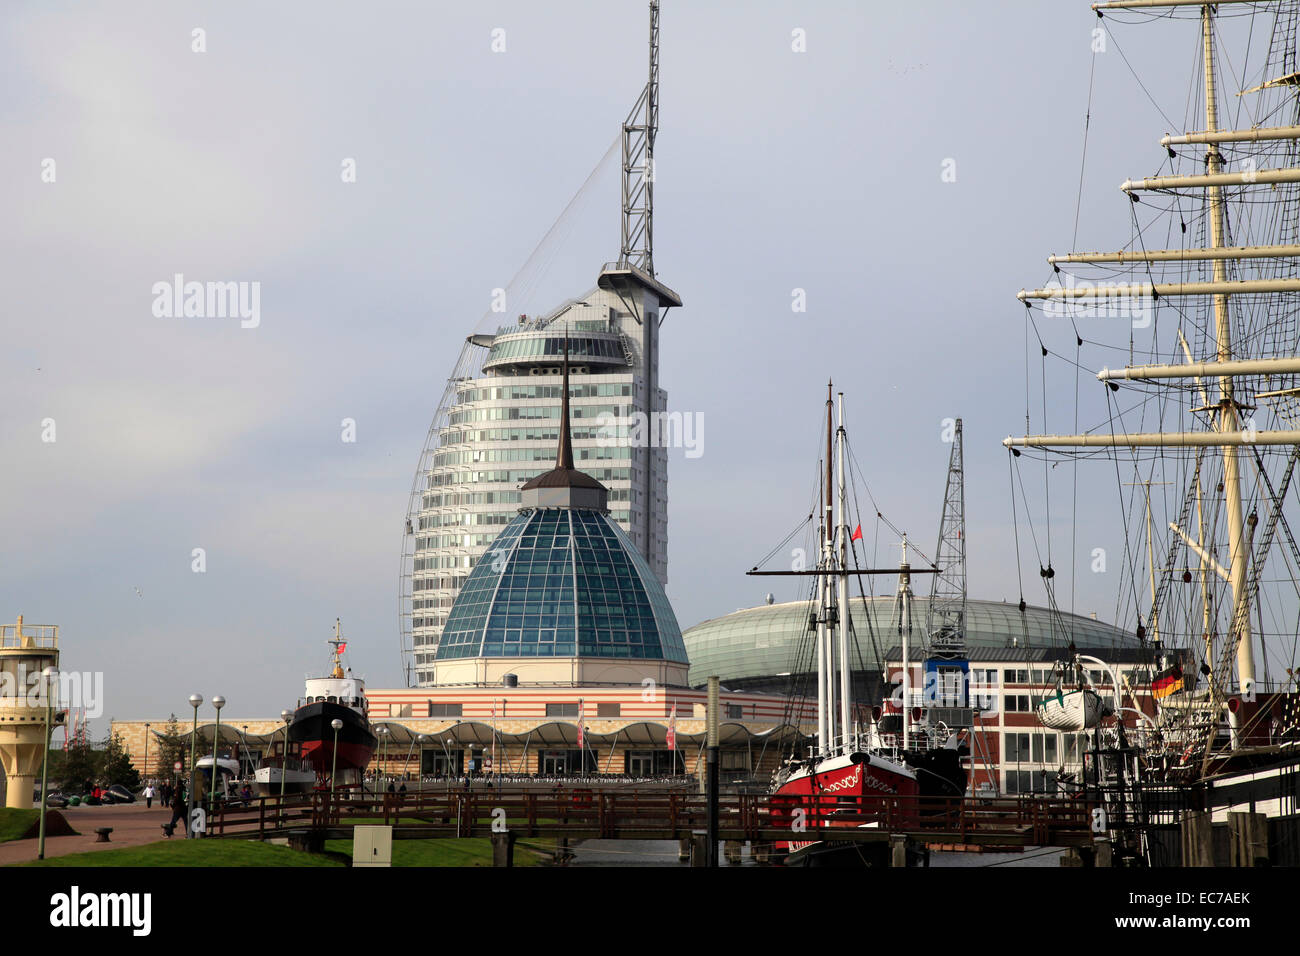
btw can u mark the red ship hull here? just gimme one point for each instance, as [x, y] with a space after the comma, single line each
[854, 784]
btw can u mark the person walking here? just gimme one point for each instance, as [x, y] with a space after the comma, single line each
[148, 797]
[178, 813]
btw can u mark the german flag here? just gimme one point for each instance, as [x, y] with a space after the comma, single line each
[1168, 681]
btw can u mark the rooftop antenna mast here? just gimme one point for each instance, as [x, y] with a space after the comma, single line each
[639, 129]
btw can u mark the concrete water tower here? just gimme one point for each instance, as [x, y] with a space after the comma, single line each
[24, 653]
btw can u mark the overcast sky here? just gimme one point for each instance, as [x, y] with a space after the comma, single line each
[819, 170]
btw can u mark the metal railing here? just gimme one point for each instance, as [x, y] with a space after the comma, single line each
[591, 813]
[30, 635]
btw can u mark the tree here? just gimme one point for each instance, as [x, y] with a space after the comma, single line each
[116, 767]
[173, 747]
[80, 764]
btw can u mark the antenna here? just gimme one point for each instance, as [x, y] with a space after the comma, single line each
[639, 129]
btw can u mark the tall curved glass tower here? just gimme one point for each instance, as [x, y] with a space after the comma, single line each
[499, 417]
[562, 595]
[498, 426]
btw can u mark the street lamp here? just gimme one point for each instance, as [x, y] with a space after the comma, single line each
[420, 739]
[146, 752]
[334, 765]
[47, 676]
[382, 730]
[286, 716]
[217, 702]
[195, 701]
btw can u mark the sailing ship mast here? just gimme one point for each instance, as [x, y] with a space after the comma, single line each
[1227, 434]
[842, 597]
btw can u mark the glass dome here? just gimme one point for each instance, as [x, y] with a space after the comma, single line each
[562, 582]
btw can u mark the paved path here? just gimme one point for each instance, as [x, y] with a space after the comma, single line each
[132, 825]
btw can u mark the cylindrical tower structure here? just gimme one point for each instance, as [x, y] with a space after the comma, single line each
[25, 652]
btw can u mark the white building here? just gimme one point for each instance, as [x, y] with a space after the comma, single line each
[497, 427]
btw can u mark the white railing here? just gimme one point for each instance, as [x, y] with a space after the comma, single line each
[40, 635]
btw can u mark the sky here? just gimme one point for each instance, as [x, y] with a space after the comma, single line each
[909, 169]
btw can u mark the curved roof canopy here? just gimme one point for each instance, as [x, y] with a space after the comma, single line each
[550, 733]
[765, 641]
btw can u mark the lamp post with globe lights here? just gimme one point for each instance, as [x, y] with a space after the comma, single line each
[382, 730]
[286, 716]
[195, 701]
[47, 677]
[217, 702]
[334, 764]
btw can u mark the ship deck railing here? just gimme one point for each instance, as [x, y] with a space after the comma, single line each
[44, 636]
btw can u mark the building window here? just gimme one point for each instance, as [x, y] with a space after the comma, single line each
[1030, 781]
[399, 710]
[734, 760]
[1045, 748]
[1015, 748]
[561, 710]
[609, 710]
[444, 710]
[1018, 704]
[1076, 745]
[735, 711]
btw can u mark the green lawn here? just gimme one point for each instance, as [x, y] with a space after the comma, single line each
[14, 823]
[194, 853]
[443, 852]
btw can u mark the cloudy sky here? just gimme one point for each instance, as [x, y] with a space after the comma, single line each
[819, 170]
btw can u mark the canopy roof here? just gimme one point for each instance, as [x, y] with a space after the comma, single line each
[550, 733]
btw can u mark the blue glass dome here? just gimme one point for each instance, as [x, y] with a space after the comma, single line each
[562, 582]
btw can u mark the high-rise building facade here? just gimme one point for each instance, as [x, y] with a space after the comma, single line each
[498, 421]
[499, 427]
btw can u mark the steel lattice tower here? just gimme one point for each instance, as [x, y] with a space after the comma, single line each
[946, 615]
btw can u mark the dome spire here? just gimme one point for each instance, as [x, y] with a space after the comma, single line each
[564, 485]
[564, 454]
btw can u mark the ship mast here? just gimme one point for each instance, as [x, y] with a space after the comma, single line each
[843, 595]
[1227, 433]
[1238, 558]
[905, 634]
[828, 596]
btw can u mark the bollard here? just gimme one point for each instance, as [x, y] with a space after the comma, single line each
[503, 849]
[700, 849]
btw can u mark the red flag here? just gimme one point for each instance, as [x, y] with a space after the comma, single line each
[857, 533]
[343, 646]
[672, 729]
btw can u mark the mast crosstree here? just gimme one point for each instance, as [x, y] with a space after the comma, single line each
[1227, 434]
[1244, 318]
